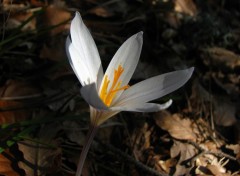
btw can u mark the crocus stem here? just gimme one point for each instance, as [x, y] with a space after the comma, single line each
[89, 138]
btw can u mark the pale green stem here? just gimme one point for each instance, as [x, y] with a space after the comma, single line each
[89, 138]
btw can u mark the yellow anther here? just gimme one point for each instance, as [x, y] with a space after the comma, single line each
[106, 95]
[103, 92]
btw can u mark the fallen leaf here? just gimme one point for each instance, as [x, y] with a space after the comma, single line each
[211, 165]
[222, 58]
[178, 127]
[186, 6]
[38, 158]
[101, 11]
[15, 89]
[186, 152]
[16, 19]
[6, 166]
[167, 165]
[11, 93]
[55, 15]
[8, 117]
[235, 148]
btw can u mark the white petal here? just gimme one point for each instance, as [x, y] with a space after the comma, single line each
[155, 87]
[85, 45]
[74, 59]
[90, 95]
[143, 107]
[127, 56]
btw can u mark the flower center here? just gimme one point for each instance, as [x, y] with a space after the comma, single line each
[106, 95]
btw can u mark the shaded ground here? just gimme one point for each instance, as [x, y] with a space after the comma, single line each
[44, 119]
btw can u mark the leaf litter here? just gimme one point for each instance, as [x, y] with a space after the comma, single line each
[198, 135]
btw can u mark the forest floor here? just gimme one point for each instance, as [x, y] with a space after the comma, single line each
[44, 119]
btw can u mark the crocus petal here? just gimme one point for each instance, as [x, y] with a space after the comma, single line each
[127, 56]
[143, 107]
[154, 87]
[87, 50]
[75, 61]
[90, 95]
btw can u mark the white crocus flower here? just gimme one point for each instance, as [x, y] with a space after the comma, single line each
[109, 93]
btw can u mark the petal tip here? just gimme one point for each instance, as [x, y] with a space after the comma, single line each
[190, 70]
[77, 17]
[77, 14]
[139, 34]
[169, 103]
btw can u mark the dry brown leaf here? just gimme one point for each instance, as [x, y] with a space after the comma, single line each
[9, 6]
[235, 148]
[10, 93]
[55, 15]
[16, 19]
[216, 170]
[101, 11]
[9, 117]
[5, 166]
[222, 58]
[186, 6]
[167, 165]
[14, 89]
[186, 152]
[178, 127]
[209, 164]
[39, 158]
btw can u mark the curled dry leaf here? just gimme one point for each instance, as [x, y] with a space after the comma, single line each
[6, 166]
[178, 127]
[185, 152]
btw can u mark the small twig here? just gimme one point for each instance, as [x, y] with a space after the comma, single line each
[130, 159]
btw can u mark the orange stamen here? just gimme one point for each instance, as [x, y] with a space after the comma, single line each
[106, 95]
